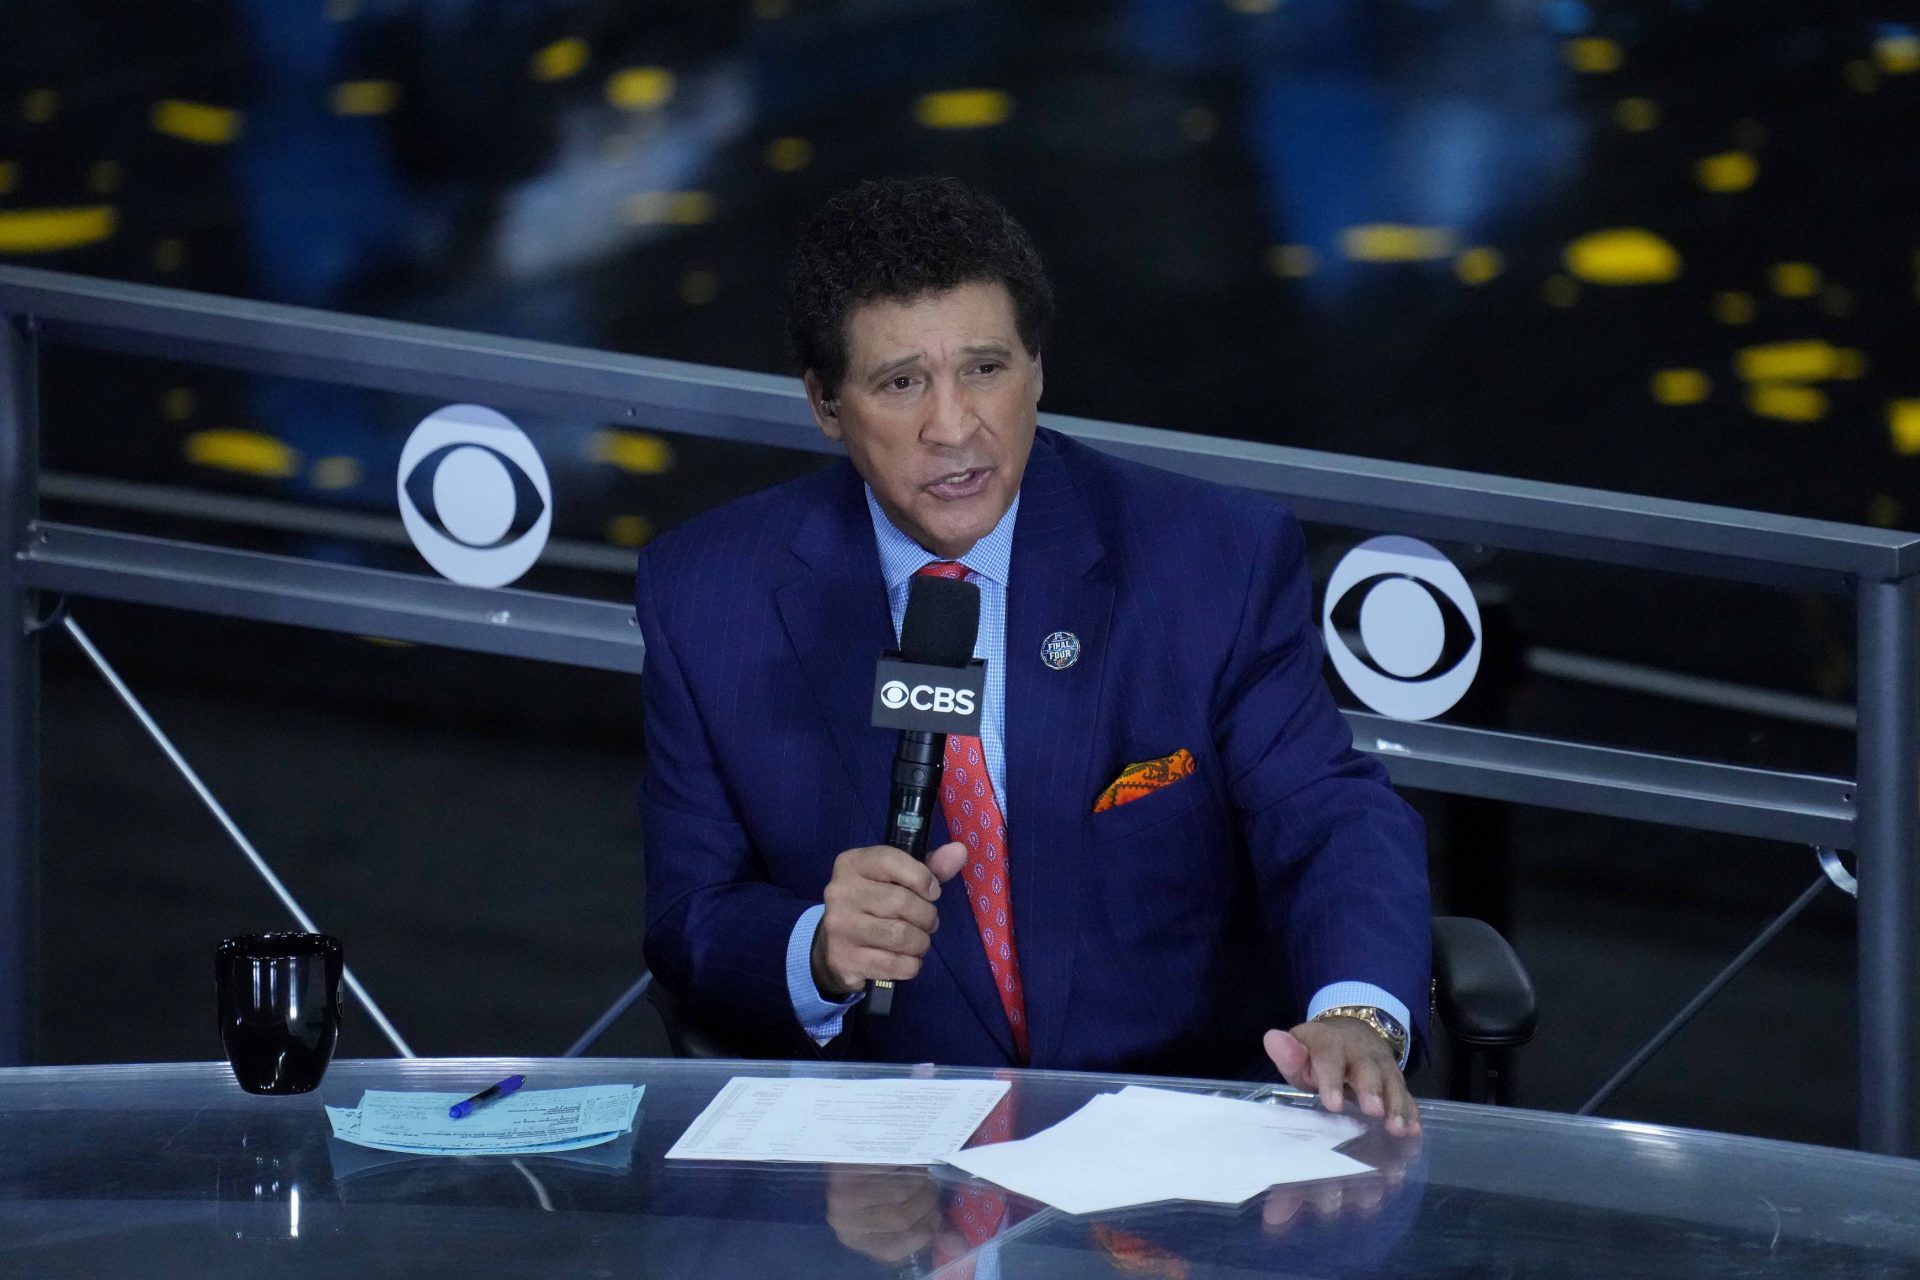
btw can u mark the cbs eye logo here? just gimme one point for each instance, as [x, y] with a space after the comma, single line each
[894, 694]
[474, 496]
[1416, 622]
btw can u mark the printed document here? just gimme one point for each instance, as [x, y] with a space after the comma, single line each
[839, 1121]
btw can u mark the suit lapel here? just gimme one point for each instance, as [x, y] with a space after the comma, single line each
[1057, 582]
[838, 622]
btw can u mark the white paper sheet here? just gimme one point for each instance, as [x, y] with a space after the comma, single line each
[902, 1122]
[1142, 1146]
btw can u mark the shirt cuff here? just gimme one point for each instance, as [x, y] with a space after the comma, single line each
[1334, 993]
[820, 1018]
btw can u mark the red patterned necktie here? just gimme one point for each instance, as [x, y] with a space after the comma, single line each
[973, 817]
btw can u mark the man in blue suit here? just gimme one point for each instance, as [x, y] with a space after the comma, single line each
[1182, 849]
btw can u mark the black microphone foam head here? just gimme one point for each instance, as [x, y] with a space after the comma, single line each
[943, 618]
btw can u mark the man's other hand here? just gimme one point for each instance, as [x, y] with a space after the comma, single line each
[1333, 1055]
[880, 916]
[1356, 1197]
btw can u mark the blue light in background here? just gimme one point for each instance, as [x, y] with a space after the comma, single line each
[1568, 17]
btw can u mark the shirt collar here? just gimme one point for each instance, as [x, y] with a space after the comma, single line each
[901, 557]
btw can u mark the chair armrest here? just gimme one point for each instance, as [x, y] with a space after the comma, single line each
[688, 1037]
[1482, 991]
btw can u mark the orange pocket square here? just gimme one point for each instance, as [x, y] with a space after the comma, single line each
[1145, 778]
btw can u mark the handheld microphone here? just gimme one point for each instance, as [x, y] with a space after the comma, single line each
[930, 688]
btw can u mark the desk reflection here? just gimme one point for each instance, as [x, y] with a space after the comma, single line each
[897, 1216]
[918, 1222]
[1312, 1229]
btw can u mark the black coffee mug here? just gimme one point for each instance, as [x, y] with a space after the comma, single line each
[279, 999]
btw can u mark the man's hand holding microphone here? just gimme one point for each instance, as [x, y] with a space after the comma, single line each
[880, 916]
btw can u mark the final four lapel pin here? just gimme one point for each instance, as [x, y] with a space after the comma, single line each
[1060, 650]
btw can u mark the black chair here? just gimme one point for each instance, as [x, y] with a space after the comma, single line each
[1485, 1003]
[1481, 994]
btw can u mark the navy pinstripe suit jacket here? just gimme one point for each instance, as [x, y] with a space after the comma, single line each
[1160, 936]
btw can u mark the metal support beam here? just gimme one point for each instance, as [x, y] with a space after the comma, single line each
[1701, 795]
[1522, 515]
[1889, 866]
[331, 597]
[19, 700]
[1704, 996]
[205, 507]
[232, 828]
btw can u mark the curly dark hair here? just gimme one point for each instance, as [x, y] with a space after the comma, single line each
[899, 238]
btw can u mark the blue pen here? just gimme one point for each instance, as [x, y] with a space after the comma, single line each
[501, 1090]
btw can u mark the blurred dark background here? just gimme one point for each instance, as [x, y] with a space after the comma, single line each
[1667, 247]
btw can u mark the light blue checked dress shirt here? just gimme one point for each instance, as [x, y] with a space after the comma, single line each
[987, 565]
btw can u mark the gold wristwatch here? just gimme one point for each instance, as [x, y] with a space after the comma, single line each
[1383, 1023]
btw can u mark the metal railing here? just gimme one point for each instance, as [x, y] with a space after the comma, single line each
[1875, 814]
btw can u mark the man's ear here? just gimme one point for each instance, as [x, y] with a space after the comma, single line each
[825, 413]
[1039, 379]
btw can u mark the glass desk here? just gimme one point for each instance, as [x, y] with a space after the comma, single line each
[171, 1170]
